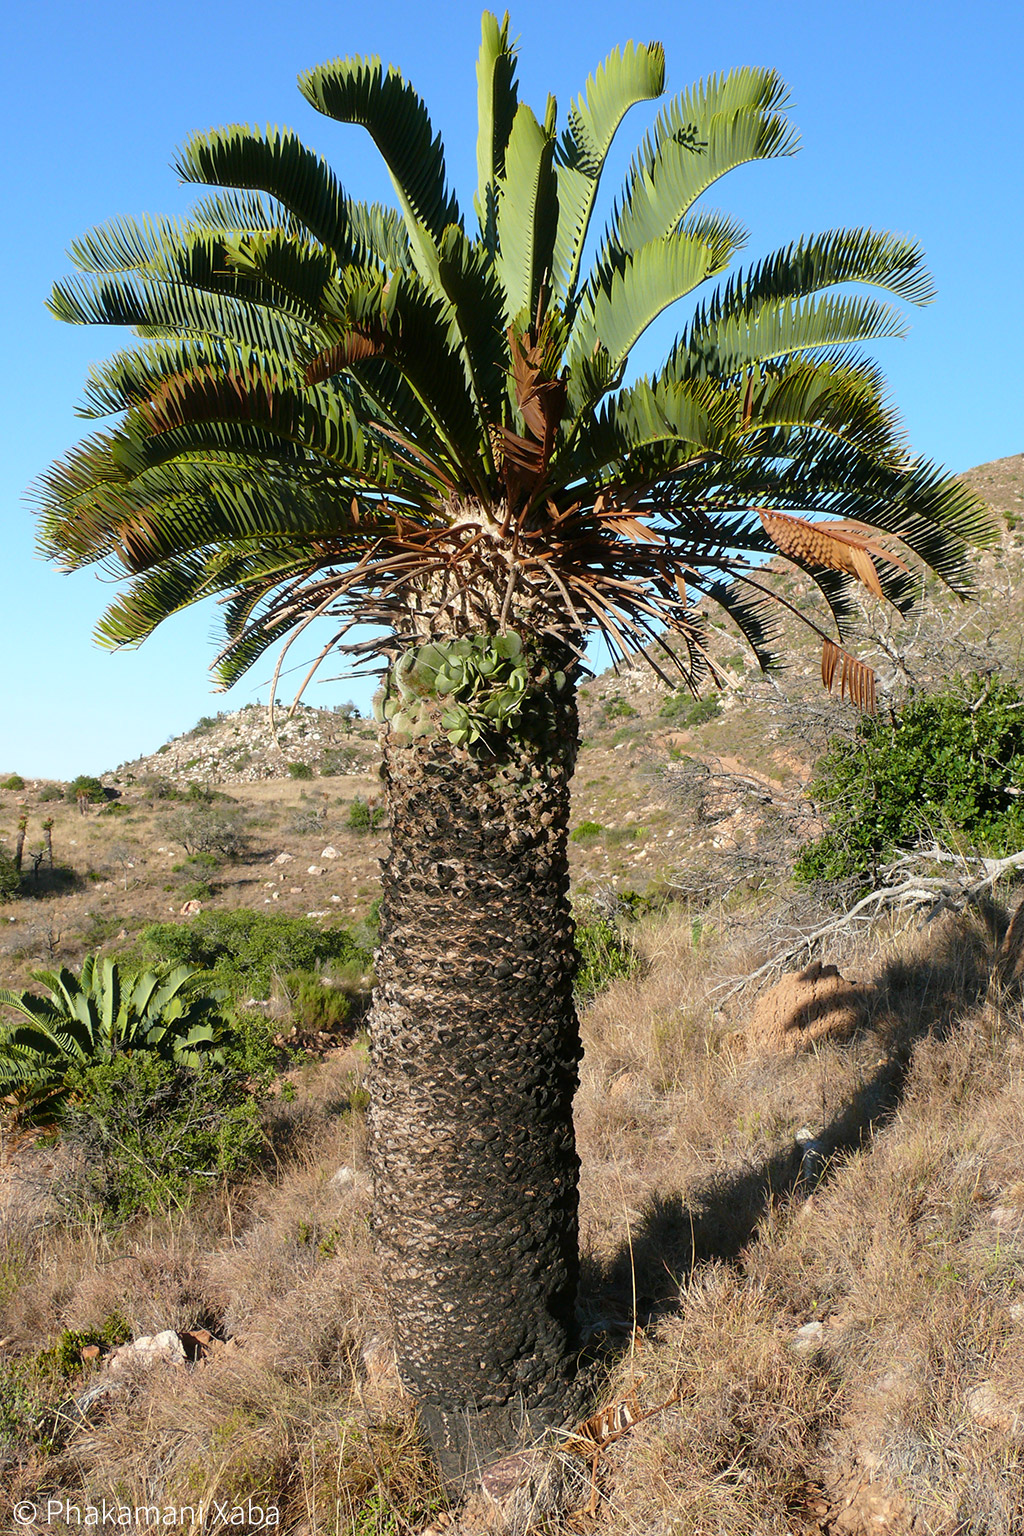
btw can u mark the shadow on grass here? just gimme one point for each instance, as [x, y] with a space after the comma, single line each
[912, 1000]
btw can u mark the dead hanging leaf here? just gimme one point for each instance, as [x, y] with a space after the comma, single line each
[622, 520]
[604, 1428]
[354, 347]
[831, 545]
[541, 400]
[611, 1423]
[856, 678]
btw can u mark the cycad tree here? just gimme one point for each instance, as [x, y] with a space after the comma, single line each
[403, 417]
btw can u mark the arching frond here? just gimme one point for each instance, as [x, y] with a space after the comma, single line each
[622, 300]
[360, 90]
[702, 134]
[628, 75]
[275, 161]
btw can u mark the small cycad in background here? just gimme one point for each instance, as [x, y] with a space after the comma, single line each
[93, 1018]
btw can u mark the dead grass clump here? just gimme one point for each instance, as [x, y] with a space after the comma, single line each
[242, 1433]
[734, 1455]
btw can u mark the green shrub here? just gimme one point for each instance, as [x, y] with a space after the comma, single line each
[243, 949]
[586, 832]
[252, 1048]
[63, 1358]
[10, 878]
[605, 953]
[618, 708]
[14, 783]
[317, 1008]
[363, 817]
[202, 860]
[51, 792]
[152, 1135]
[687, 711]
[299, 771]
[213, 829]
[615, 836]
[85, 787]
[949, 765]
[337, 760]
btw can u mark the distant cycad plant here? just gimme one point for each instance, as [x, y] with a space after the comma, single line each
[94, 1017]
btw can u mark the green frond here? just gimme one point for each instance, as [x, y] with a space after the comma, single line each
[415, 339]
[128, 378]
[199, 411]
[275, 161]
[621, 301]
[127, 245]
[173, 305]
[497, 100]
[150, 599]
[691, 419]
[628, 75]
[726, 121]
[359, 90]
[817, 262]
[756, 616]
[728, 346]
[467, 276]
[527, 216]
[722, 235]
[298, 270]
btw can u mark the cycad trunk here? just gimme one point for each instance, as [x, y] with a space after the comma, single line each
[475, 1052]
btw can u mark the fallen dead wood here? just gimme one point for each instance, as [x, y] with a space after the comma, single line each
[909, 886]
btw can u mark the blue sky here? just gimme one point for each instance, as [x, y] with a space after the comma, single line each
[909, 120]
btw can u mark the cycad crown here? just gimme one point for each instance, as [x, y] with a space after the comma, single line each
[381, 415]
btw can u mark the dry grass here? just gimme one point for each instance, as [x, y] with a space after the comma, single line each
[908, 1399]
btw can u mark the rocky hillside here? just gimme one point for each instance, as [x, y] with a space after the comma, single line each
[244, 747]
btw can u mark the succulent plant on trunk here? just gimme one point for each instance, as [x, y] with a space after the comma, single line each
[370, 415]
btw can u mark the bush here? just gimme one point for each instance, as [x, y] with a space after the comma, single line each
[687, 711]
[619, 708]
[337, 760]
[586, 832]
[85, 787]
[363, 817]
[15, 782]
[10, 879]
[316, 1007]
[152, 1135]
[605, 953]
[203, 828]
[244, 949]
[51, 792]
[299, 771]
[949, 765]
